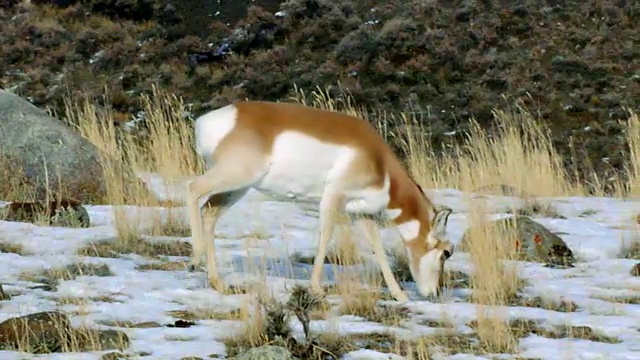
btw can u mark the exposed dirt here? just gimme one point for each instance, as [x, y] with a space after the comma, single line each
[575, 63]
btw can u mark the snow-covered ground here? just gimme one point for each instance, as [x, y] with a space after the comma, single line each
[594, 229]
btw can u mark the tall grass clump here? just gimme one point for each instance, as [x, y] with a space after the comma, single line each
[517, 151]
[168, 145]
[494, 281]
[165, 148]
[116, 148]
[632, 186]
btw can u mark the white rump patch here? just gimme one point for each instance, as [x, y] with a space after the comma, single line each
[211, 128]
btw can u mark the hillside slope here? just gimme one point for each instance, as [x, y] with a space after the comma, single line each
[575, 63]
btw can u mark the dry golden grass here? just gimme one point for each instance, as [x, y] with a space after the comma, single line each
[519, 153]
[535, 207]
[166, 149]
[620, 299]
[149, 249]
[13, 183]
[493, 282]
[11, 247]
[54, 334]
[171, 224]
[169, 144]
[630, 249]
[83, 301]
[51, 276]
[342, 250]
[363, 301]
[163, 265]
[268, 323]
[632, 185]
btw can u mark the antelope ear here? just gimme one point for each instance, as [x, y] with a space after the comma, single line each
[439, 222]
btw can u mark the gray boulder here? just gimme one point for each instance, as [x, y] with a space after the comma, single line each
[41, 146]
[533, 241]
[51, 331]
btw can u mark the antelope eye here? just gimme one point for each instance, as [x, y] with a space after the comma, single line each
[446, 254]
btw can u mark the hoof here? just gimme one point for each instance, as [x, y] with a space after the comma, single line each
[317, 290]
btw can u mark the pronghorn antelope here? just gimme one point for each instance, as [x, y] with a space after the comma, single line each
[301, 153]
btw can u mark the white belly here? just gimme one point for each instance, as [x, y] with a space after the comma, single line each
[302, 167]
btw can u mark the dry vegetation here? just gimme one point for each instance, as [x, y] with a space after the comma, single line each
[519, 154]
[630, 249]
[167, 150]
[50, 277]
[11, 247]
[439, 61]
[578, 83]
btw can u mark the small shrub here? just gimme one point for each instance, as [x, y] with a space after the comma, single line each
[533, 207]
[51, 277]
[630, 250]
[115, 249]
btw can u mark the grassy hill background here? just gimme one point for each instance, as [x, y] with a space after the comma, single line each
[573, 64]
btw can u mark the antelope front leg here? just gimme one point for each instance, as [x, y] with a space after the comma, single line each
[381, 259]
[329, 204]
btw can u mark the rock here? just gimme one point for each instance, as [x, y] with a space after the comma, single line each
[3, 296]
[40, 332]
[266, 352]
[98, 340]
[635, 270]
[65, 213]
[569, 66]
[29, 137]
[47, 332]
[534, 242]
[114, 355]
